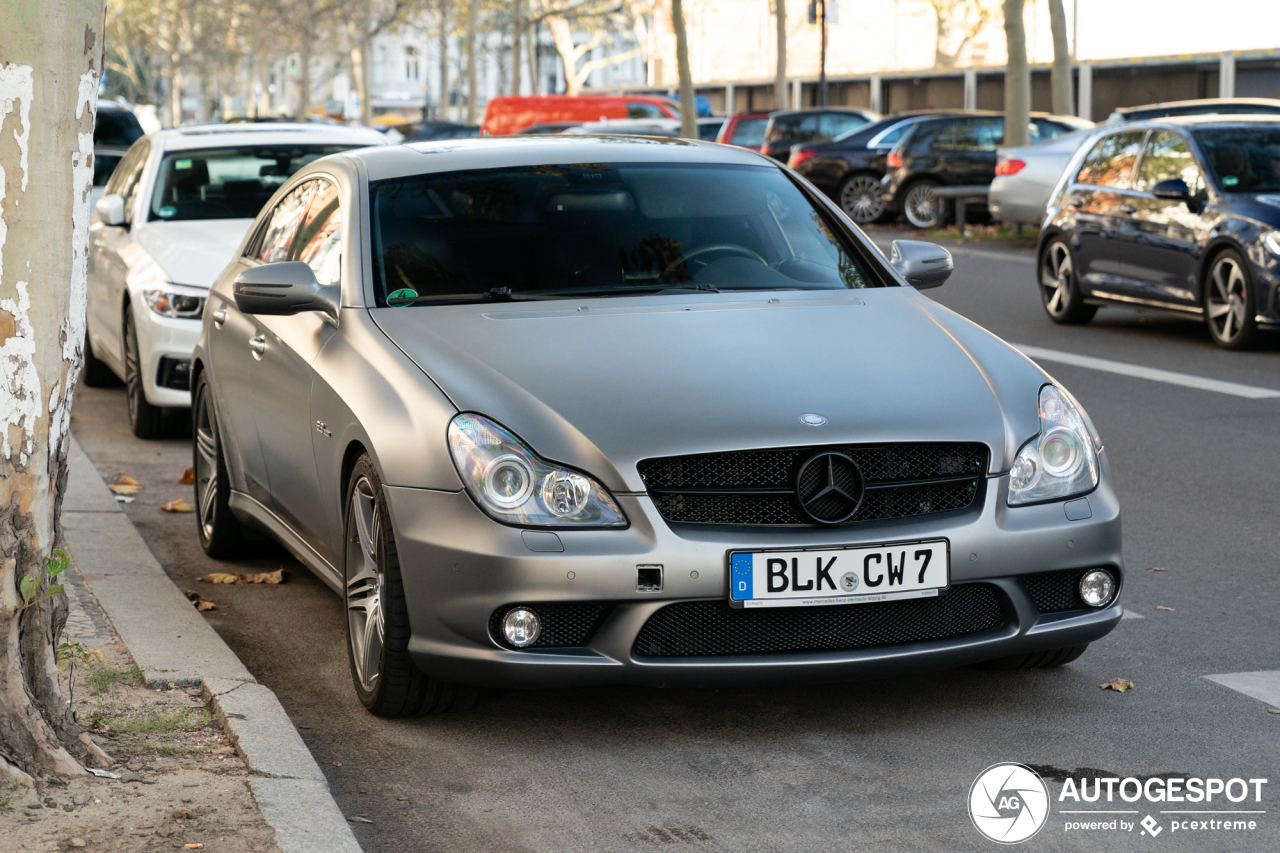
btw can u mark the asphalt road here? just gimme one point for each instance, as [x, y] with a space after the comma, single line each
[883, 765]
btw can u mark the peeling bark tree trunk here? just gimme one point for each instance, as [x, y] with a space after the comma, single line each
[1017, 77]
[49, 71]
[688, 106]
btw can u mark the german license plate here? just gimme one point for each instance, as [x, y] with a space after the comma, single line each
[850, 575]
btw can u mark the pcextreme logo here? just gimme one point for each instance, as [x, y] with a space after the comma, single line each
[1008, 803]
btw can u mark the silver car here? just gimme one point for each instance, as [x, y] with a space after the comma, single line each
[555, 411]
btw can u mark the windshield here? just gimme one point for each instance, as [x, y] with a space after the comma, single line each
[1245, 159]
[227, 183]
[600, 230]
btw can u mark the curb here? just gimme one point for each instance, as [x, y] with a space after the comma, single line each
[172, 643]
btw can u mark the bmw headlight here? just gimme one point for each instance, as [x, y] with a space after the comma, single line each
[169, 303]
[511, 483]
[1059, 462]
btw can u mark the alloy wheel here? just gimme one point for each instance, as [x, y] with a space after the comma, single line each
[1055, 278]
[1228, 299]
[922, 206]
[365, 584]
[861, 198]
[132, 373]
[206, 468]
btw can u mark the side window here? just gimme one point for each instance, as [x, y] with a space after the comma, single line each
[285, 221]
[934, 136]
[318, 241]
[974, 135]
[131, 178]
[641, 109]
[834, 124]
[1111, 161]
[1166, 158]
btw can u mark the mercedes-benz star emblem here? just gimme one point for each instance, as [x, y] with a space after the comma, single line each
[812, 419]
[829, 488]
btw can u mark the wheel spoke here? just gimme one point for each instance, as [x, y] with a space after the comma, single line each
[364, 584]
[1055, 302]
[208, 497]
[1217, 309]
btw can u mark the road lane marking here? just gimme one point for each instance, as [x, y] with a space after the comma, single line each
[1263, 686]
[1187, 380]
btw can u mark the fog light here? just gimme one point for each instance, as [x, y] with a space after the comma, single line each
[1097, 587]
[521, 627]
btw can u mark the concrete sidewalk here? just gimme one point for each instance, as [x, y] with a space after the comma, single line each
[172, 643]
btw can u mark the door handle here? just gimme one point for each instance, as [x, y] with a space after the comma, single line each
[1128, 209]
[258, 344]
[219, 317]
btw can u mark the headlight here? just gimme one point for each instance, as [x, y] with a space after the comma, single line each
[170, 304]
[511, 483]
[1058, 463]
[1272, 241]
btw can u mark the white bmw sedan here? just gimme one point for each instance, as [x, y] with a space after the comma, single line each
[172, 216]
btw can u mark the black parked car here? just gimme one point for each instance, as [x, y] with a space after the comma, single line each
[850, 167]
[1181, 215]
[114, 130]
[789, 127]
[953, 150]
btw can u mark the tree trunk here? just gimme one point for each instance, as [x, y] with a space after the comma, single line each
[688, 106]
[517, 39]
[444, 61]
[473, 19]
[533, 59]
[562, 35]
[1060, 75]
[780, 76]
[304, 71]
[48, 101]
[1017, 77]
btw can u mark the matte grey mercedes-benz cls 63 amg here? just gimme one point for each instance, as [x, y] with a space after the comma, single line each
[553, 412]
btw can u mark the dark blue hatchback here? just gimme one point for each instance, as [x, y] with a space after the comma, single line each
[1179, 215]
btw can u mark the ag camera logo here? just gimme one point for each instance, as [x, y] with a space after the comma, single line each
[1008, 803]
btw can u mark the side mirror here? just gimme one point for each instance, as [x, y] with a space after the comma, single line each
[1174, 189]
[289, 287]
[922, 264]
[111, 209]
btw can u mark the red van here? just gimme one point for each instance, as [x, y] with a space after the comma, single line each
[512, 113]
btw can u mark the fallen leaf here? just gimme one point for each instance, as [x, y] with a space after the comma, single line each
[262, 577]
[126, 480]
[359, 820]
[1119, 685]
[1162, 607]
[1155, 569]
[225, 750]
[205, 605]
[177, 505]
[124, 488]
[188, 477]
[1273, 710]
[193, 846]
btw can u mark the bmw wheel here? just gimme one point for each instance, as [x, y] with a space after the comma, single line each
[861, 197]
[385, 678]
[922, 207]
[1229, 302]
[1060, 288]
[147, 421]
[220, 533]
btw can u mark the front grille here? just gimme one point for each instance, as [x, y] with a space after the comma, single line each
[710, 628]
[1055, 592]
[757, 487]
[563, 625]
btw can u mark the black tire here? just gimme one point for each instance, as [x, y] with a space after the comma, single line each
[386, 680]
[861, 198]
[1060, 286]
[221, 535]
[921, 208]
[96, 373]
[1035, 660]
[147, 421]
[1230, 306]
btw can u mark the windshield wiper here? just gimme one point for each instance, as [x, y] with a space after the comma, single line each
[494, 294]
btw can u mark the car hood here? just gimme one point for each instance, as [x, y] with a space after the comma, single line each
[193, 252]
[603, 384]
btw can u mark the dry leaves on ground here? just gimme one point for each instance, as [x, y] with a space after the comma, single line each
[1162, 607]
[1156, 569]
[126, 485]
[177, 505]
[188, 477]
[1119, 685]
[263, 577]
[203, 605]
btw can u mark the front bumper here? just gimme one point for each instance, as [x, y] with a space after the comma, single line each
[458, 567]
[163, 338]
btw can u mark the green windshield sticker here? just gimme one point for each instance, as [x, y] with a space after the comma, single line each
[182, 164]
[402, 293]
[167, 211]
[1230, 180]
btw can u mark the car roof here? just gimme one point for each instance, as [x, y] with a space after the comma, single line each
[497, 152]
[232, 135]
[1201, 102]
[1210, 119]
[807, 110]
